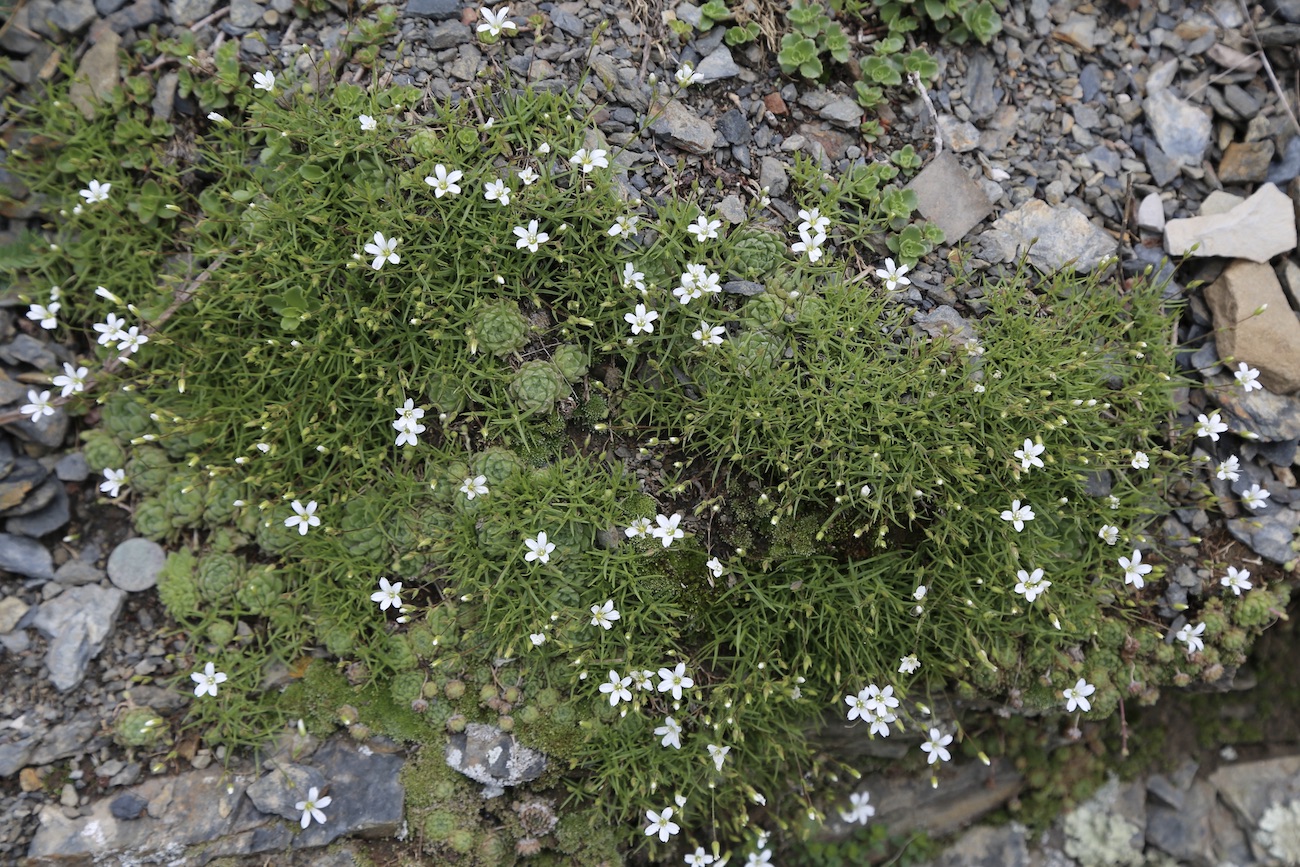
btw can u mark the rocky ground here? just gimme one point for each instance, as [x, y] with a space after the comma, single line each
[1100, 131]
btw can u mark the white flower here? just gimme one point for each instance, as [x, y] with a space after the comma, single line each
[1018, 514]
[543, 149]
[264, 81]
[1028, 454]
[604, 615]
[698, 858]
[761, 858]
[893, 275]
[38, 405]
[675, 680]
[1192, 637]
[216, 117]
[95, 192]
[494, 23]
[1236, 579]
[530, 237]
[1246, 376]
[131, 340]
[537, 638]
[1031, 584]
[624, 226]
[715, 566]
[387, 595]
[47, 315]
[1134, 569]
[719, 754]
[1076, 697]
[1227, 470]
[859, 706]
[1210, 427]
[539, 549]
[497, 191]
[72, 380]
[704, 229]
[303, 517]
[686, 76]
[861, 811]
[667, 531]
[935, 746]
[207, 680]
[474, 487]
[661, 824]
[1113, 502]
[407, 424]
[814, 222]
[632, 278]
[589, 160]
[810, 244]
[671, 732]
[709, 335]
[1108, 534]
[908, 664]
[444, 182]
[639, 528]
[919, 593]
[527, 176]
[312, 807]
[865, 491]
[113, 482]
[1255, 497]
[110, 330]
[1140, 461]
[617, 688]
[384, 250]
[367, 123]
[641, 320]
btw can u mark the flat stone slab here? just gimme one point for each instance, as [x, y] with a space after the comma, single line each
[1054, 238]
[1258, 229]
[947, 197]
[1267, 340]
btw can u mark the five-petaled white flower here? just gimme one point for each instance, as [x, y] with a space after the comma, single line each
[709, 335]
[935, 746]
[715, 566]
[667, 531]
[384, 250]
[661, 824]
[1134, 569]
[407, 424]
[1246, 377]
[1255, 497]
[72, 380]
[589, 160]
[814, 221]
[95, 192]
[704, 229]
[497, 191]
[387, 595]
[762, 858]
[113, 482]
[641, 679]
[1076, 697]
[131, 340]
[1018, 514]
[38, 405]
[699, 858]
[539, 549]
[675, 680]
[604, 615]
[810, 244]
[527, 176]
[1031, 584]
[494, 23]
[207, 680]
[859, 706]
[719, 754]
[110, 330]
[444, 182]
[1210, 426]
[367, 123]
[671, 732]
[860, 811]
[908, 664]
[303, 517]
[624, 226]
[639, 528]
[475, 486]
[893, 275]
[632, 278]
[264, 81]
[313, 807]
[1227, 470]
[686, 76]
[1192, 637]
[617, 688]
[537, 638]
[46, 314]
[1140, 461]
[1108, 534]
[1237, 580]
[641, 320]
[1028, 454]
[530, 237]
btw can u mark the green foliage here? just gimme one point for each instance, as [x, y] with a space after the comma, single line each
[218, 577]
[813, 34]
[176, 585]
[140, 727]
[501, 329]
[536, 386]
[102, 450]
[956, 20]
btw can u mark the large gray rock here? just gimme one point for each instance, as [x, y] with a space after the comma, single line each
[1258, 229]
[494, 758]
[278, 790]
[1054, 238]
[1004, 845]
[186, 12]
[1269, 341]
[134, 565]
[947, 197]
[1185, 832]
[718, 65]
[77, 622]
[27, 557]
[1181, 129]
[97, 74]
[681, 128]
[438, 10]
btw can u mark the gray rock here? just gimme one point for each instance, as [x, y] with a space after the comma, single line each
[139, 14]
[28, 350]
[1257, 229]
[843, 112]
[186, 12]
[465, 66]
[276, 791]
[128, 806]
[1250, 788]
[25, 557]
[1287, 168]
[77, 623]
[1206, 359]
[979, 88]
[1268, 535]
[772, 174]
[97, 74]
[67, 738]
[16, 755]
[372, 798]
[743, 287]
[164, 98]
[681, 128]
[134, 565]
[245, 13]
[54, 515]
[12, 611]
[108, 7]
[567, 22]
[17, 38]
[984, 845]
[74, 573]
[49, 431]
[1269, 340]
[7, 455]
[25, 476]
[73, 16]
[1181, 129]
[438, 10]
[72, 467]
[690, 13]
[734, 127]
[1054, 238]
[448, 34]
[1163, 167]
[717, 65]
[959, 135]
[494, 758]
[947, 197]
[944, 321]
[1079, 31]
[1090, 81]
[1151, 213]
[732, 210]
[1184, 831]
[1105, 160]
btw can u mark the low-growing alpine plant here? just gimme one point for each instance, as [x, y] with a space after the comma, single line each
[431, 395]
